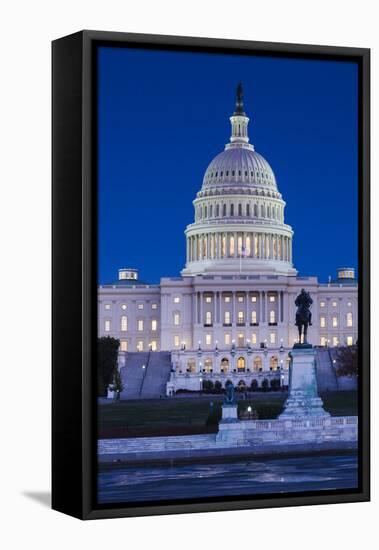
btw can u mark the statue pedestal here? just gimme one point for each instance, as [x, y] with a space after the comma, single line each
[303, 399]
[229, 412]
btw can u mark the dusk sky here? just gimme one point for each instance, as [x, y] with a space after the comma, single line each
[164, 115]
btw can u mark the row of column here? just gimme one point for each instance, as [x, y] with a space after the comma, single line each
[266, 246]
[261, 306]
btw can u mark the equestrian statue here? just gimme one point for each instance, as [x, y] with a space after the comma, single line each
[303, 314]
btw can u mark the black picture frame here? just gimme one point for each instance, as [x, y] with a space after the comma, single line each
[74, 270]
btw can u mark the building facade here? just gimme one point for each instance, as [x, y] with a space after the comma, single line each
[231, 313]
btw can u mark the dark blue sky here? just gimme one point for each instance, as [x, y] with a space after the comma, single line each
[164, 115]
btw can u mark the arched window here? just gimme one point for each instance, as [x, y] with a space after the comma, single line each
[257, 365]
[274, 363]
[211, 211]
[349, 319]
[201, 212]
[224, 366]
[217, 210]
[208, 365]
[241, 364]
[205, 211]
[262, 211]
[240, 209]
[232, 209]
[124, 323]
[224, 209]
[248, 210]
[255, 210]
[268, 211]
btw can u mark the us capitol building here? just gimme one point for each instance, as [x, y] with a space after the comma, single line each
[231, 313]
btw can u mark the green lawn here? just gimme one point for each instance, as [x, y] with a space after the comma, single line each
[188, 415]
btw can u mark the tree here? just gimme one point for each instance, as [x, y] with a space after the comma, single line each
[254, 385]
[347, 361]
[207, 386]
[107, 352]
[275, 384]
[218, 387]
[264, 384]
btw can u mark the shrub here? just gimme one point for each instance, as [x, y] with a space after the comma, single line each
[254, 385]
[265, 384]
[218, 386]
[208, 386]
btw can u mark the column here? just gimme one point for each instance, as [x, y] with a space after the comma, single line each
[194, 308]
[233, 308]
[201, 308]
[235, 245]
[279, 296]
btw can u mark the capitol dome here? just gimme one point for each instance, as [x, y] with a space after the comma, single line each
[239, 212]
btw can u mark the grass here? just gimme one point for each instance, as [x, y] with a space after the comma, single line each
[195, 415]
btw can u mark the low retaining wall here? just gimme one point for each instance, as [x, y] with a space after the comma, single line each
[241, 438]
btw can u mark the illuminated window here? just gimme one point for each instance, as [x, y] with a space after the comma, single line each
[140, 345]
[334, 304]
[227, 299]
[140, 306]
[124, 323]
[240, 340]
[254, 338]
[124, 345]
[323, 341]
[257, 365]
[107, 306]
[154, 324]
[176, 299]
[349, 319]
[140, 325]
[272, 298]
[274, 363]
[227, 318]
[241, 363]
[272, 337]
[191, 365]
[107, 325]
[334, 322]
[176, 318]
[240, 298]
[227, 339]
[253, 298]
[253, 316]
[240, 317]
[176, 341]
[208, 317]
[123, 306]
[322, 304]
[154, 306]
[208, 339]
[349, 340]
[272, 316]
[322, 322]
[335, 340]
[208, 299]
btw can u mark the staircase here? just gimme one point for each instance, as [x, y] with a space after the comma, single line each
[326, 375]
[149, 382]
[132, 374]
[157, 375]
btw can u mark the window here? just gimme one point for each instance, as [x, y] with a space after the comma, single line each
[334, 322]
[272, 316]
[227, 299]
[240, 317]
[349, 319]
[240, 298]
[227, 318]
[140, 345]
[124, 345]
[227, 339]
[208, 317]
[154, 324]
[140, 306]
[334, 304]
[241, 363]
[272, 337]
[176, 341]
[335, 340]
[323, 341]
[349, 340]
[272, 298]
[154, 306]
[208, 339]
[124, 323]
[208, 299]
[107, 306]
[123, 306]
[253, 317]
[322, 304]
[322, 322]
[208, 365]
[254, 338]
[176, 299]
[240, 340]
[274, 363]
[107, 325]
[254, 299]
[191, 365]
[257, 365]
[140, 325]
[153, 345]
[176, 318]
